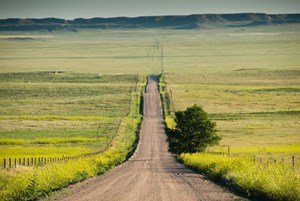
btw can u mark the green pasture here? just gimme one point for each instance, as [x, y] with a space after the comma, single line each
[55, 114]
[67, 93]
[71, 89]
[256, 111]
[58, 114]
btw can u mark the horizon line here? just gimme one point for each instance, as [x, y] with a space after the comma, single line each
[162, 15]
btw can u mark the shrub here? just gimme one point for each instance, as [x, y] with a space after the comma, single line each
[193, 131]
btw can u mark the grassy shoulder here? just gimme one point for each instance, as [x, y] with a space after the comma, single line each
[265, 182]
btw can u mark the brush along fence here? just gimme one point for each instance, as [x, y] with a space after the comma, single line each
[292, 161]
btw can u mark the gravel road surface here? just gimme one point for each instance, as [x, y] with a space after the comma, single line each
[152, 173]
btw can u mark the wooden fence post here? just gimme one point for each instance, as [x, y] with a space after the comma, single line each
[9, 163]
[4, 163]
[15, 162]
[293, 162]
[228, 151]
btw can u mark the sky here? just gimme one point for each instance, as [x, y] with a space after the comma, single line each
[70, 9]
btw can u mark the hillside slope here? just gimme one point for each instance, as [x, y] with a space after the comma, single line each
[171, 22]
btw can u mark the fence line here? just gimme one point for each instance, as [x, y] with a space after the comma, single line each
[9, 163]
[263, 161]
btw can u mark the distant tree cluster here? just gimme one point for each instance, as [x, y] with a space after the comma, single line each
[194, 132]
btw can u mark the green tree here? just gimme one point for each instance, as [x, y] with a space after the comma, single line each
[193, 132]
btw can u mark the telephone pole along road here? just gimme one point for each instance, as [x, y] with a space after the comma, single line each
[152, 173]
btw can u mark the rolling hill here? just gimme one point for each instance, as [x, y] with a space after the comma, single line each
[169, 22]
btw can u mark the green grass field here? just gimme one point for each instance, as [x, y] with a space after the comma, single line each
[132, 51]
[258, 118]
[60, 115]
[246, 79]
[48, 114]
[65, 93]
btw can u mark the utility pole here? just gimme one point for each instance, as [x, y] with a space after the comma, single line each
[162, 59]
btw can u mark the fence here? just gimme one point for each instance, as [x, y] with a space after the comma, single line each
[287, 160]
[9, 163]
[16, 162]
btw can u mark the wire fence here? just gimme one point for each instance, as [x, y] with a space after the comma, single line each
[291, 160]
[15, 162]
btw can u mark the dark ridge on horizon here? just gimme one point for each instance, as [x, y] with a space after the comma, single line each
[169, 22]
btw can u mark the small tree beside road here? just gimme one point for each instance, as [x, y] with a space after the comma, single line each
[193, 132]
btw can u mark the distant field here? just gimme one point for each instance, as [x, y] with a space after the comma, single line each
[95, 51]
[132, 51]
[48, 114]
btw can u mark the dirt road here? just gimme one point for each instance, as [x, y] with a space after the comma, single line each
[151, 174]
